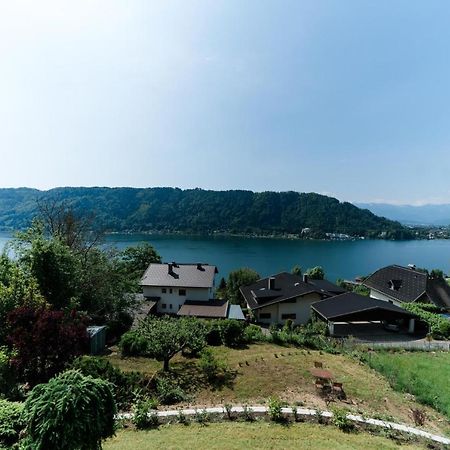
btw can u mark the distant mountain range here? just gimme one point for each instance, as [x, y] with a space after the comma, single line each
[411, 215]
[201, 211]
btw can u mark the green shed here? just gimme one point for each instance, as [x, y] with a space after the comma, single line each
[97, 339]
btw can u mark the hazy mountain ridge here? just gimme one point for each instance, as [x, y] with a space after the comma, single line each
[203, 211]
[438, 215]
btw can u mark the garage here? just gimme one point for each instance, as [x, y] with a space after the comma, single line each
[357, 315]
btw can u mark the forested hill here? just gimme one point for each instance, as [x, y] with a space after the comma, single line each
[200, 211]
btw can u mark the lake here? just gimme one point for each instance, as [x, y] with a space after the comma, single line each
[340, 259]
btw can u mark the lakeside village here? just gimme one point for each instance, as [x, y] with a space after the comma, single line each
[292, 348]
[390, 303]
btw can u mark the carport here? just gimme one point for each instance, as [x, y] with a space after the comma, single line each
[361, 311]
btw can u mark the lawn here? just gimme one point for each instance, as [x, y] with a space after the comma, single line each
[261, 435]
[265, 370]
[425, 375]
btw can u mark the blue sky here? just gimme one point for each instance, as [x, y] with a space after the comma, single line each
[347, 98]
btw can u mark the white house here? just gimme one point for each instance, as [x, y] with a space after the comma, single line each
[286, 296]
[184, 290]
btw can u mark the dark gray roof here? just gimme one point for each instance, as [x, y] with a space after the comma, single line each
[352, 307]
[286, 286]
[216, 309]
[399, 283]
[327, 286]
[179, 275]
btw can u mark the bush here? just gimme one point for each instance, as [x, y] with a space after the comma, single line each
[439, 326]
[125, 384]
[212, 367]
[133, 344]
[143, 413]
[11, 422]
[70, 412]
[275, 409]
[8, 384]
[169, 392]
[341, 420]
[213, 336]
[232, 332]
[253, 333]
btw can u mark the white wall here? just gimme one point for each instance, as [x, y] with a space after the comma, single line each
[301, 308]
[174, 299]
[380, 296]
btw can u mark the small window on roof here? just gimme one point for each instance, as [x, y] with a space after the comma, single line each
[395, 285]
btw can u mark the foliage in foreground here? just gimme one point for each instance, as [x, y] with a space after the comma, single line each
[45, 341]
[70, 412]
[125, 385]
[439, 326]
[11, 422]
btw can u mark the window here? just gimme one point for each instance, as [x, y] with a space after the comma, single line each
[182, 292]
[288, 316]
[265, 315]
[163, 306]
[170, 306]
[170, 290]
[163, 290]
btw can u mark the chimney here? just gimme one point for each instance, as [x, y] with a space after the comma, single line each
[169, 268]
[305, 278]
[271, 283]
[199, 266]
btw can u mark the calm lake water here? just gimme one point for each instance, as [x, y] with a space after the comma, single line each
[345, 259]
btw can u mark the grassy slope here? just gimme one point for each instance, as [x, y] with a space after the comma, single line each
[426, 375]
[287, 377]
[259, 435]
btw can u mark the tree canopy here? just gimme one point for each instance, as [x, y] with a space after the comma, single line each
[167, 336]
[192, 210]
[238, 278]
[70, 412]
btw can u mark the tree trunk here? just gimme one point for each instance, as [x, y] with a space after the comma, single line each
[166, 365]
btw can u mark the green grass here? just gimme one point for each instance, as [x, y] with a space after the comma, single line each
[259, 374]
[260, 435]
[425, 375]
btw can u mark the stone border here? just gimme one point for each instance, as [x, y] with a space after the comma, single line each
[306, 413]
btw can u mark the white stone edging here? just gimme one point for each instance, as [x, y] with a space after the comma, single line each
[301, 412]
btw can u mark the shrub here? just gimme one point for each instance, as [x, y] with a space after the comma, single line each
[247, 414]
[232, 332]
[439, 326]
[212, 367]
[8, 385]
[229, 411]
[213, 336]
[125, 384]
[143, 417]
[341, 420]
[182, 418]
[45, 341]
[202, 417]
[169, 392]
[133, 344]
[253, 333]
[11, 422]
[418, 416]
[69, 412]
[275, 409]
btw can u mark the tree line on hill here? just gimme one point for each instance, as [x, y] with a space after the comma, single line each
[307, 215]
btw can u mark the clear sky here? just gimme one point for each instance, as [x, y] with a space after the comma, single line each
[347, 98]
